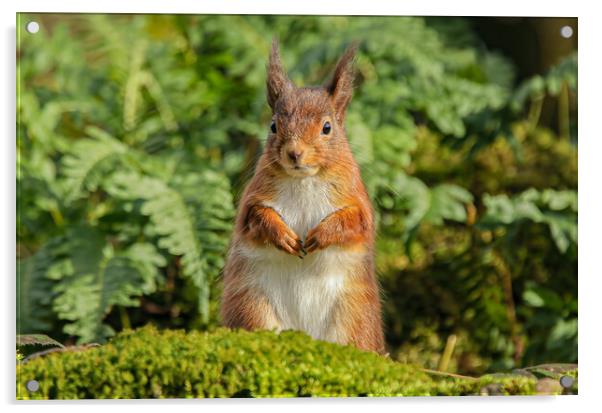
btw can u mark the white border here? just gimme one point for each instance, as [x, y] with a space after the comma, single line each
[372, 7]
[590, 207]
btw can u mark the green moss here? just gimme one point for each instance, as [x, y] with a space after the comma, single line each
[148, 363]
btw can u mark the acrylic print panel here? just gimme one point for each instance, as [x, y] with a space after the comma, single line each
[287, 206]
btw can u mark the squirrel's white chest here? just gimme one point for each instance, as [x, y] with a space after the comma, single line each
[302, 203]
[303, 292]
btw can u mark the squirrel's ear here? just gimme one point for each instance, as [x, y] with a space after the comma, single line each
[340, 86]
[278, 82]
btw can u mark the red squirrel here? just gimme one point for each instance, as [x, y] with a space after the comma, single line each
[302, 253]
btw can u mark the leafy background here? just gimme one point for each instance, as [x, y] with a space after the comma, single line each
[136, 135]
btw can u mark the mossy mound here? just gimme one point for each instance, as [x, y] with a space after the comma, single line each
[148, 363]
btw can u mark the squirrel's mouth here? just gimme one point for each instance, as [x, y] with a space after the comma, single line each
[301, 170]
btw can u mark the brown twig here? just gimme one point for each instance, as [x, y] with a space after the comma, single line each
[446, 374]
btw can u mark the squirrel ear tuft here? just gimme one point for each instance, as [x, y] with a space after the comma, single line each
[278, 82]
[340, 87]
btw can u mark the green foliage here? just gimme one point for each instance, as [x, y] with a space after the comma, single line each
[556, 209]
[136, 135]
[91, 277]
[171, 364]
[186, 227]
[562, 75]
[123, 204]
[33, 292]
[88, 162]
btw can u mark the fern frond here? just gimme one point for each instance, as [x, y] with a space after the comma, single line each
[34, 300]
[94, 278]
[85, 165]
[133, 85]
[192, 216]
[156, 91]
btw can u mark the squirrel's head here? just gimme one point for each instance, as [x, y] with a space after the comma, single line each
[307, 133]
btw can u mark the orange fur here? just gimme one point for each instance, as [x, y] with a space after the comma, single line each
[301, 149]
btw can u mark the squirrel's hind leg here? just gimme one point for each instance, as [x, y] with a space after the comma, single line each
[356, 319]
[249, 310]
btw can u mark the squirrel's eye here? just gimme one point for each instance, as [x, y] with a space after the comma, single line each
[273, 127]
[326, 128]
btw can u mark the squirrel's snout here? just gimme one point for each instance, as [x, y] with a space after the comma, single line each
[294, 155]
[298, 160]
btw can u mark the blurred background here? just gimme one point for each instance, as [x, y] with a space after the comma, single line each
[136, 135]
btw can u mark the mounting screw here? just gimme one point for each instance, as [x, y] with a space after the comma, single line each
[32, 27]
[567, 382]
[566, 32]
[32, 385]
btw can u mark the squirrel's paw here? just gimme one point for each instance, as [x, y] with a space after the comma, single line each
[290, 243]
[314, 240]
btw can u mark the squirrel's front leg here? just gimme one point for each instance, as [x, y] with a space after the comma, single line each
[346, 226]
[265, 226]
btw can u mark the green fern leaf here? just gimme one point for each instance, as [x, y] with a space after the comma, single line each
[432, 205]
[89, 161]
[34, 302]
[192, 215]
[556, 209]
[94, 277]
[448, 202]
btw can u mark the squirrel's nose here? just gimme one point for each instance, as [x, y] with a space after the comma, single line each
[294, 155]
